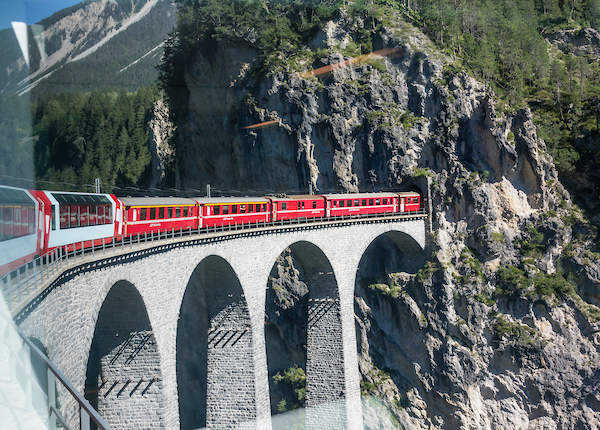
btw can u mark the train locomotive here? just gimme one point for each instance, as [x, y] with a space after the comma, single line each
[34, 222]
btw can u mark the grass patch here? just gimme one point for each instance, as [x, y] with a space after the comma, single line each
[486, 300]
[426, 272]
[521, 333]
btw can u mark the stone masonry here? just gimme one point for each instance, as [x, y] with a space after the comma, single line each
[66, 318]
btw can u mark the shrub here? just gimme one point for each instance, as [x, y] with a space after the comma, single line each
[426, 272]
[497, 237]
[522, 333]
[485, 299]
[512, 276]
[555, 284]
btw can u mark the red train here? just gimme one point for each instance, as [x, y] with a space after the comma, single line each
[35, 222]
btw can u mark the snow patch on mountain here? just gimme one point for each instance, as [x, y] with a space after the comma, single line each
[160, 45]
[133, 19]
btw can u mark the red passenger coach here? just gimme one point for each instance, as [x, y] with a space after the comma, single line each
[217, 211]
[147, 214]
[409, 202]
[361, 203]
[297, 207]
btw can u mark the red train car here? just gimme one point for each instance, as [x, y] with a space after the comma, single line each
[294, 207]
[361, 203]
[409, 202]
[146, 214]
[217, 211]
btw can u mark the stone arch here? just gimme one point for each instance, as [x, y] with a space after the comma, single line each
[390, 251]
[123, 376]
[303, 309]
[383, 305]
[215, 356]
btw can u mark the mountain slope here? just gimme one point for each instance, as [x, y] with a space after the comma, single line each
[90, 48]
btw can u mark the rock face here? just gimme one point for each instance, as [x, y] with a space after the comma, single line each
[498, 329]
[586, 41]
[163, 154]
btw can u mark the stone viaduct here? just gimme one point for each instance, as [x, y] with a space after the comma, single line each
[175, 334]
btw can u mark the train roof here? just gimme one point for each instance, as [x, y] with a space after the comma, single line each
[156, 201]
[409, 193]
[297, 197]
[80, 198]
[13, 195]
[224, 200]
[360, 195]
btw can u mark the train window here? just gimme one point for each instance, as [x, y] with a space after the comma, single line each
[376, 201]
[53, 217]
[250, 208]
[108, 217]
[385, 201]
[364, 202]
[143, 214]
[301, 205]
[23, 216]
[93, 215]
[234, 209]
[31, 220]
[314, 204]
[152, 213]
[264, 207]
[370, 202]
[8, 223]
[161, 213]
[100, 215]
[169, 212]
[1, 223]
[177, 212]
[72, 223]
[415, 200]
[283, 206]
[342, 203]
[84, 216]
[64, 216]
[226, 210]
[242, 209]
[217, 210]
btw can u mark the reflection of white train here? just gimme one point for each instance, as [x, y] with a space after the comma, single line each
[35, 222]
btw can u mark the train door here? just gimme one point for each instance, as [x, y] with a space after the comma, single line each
[401, 204]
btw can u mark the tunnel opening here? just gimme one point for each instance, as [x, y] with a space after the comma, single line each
[304, 341]
[215, 360]
[123, 377]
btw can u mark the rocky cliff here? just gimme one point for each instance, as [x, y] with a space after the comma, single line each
[499, 328]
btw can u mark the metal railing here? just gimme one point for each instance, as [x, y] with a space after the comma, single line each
[25, 283]
[40, 396]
